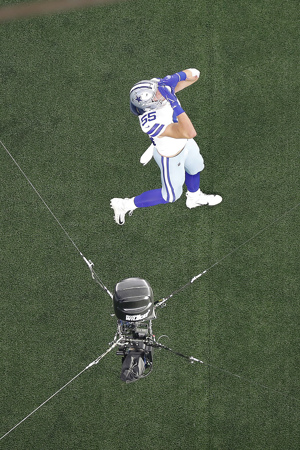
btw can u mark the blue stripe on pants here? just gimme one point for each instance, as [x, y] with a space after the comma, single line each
[167, 180]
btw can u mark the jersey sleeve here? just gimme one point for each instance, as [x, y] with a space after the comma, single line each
[156, 130]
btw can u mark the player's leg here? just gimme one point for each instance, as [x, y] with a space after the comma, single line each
[172, 175]
[121, 206]
[172, 178]
[192, 182]
[149, 198]
[194, 165]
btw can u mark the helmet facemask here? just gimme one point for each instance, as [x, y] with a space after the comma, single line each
[143, 97]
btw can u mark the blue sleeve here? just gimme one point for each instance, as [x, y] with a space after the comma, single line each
[172, 80]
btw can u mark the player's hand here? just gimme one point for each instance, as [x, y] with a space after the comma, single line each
[170, 80]
[165, 92]
[172, 99]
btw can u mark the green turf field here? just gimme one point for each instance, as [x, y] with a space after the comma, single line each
[65, 118]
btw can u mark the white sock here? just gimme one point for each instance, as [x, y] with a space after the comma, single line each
[131, 204]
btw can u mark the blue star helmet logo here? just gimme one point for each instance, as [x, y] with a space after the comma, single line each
[138, 99]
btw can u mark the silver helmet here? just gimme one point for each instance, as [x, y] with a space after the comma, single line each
[142, 97]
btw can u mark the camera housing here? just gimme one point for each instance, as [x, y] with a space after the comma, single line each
[133, 300]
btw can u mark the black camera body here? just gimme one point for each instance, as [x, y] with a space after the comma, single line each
[133, 300]
[133, 303]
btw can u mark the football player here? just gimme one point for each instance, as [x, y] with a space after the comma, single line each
[173, 147]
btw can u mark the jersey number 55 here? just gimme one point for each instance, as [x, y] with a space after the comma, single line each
[148, 117]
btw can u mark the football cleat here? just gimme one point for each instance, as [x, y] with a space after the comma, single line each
[121, 206]
[194, 199]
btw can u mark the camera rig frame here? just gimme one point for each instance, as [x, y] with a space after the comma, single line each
[134, 307]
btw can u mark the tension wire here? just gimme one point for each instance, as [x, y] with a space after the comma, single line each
[162, 302]
[96, 361]
[89, 263]
[192, 359]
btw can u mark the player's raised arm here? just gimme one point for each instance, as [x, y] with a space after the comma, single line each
[183, 129]
[192, 75]
[180, 80]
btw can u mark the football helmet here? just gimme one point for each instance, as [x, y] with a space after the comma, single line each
[142, 97]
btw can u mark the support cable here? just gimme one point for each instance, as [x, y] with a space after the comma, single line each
[192, 360]
[96, 361]
[161, 303]
[89, 263]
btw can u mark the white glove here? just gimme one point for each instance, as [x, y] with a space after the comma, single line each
[147, 155]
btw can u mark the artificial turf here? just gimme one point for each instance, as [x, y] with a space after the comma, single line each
[65, 119]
